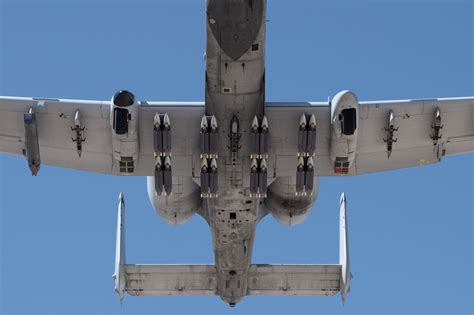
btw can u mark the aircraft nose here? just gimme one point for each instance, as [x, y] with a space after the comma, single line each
[235, 24]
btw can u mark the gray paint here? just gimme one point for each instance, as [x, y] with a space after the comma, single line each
[235, 89]
[235, 24]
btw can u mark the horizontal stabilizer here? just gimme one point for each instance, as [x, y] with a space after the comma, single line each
[159, 280]
[307, 280]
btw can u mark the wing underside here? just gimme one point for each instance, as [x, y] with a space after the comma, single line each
[413, 121]
[414, 143]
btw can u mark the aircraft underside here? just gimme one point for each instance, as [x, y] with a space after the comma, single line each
[234, 158]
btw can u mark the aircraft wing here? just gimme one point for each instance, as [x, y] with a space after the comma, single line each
[55, 120]
[413, 122]
[412, 119]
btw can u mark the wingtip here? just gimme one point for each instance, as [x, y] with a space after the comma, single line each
[343, 198]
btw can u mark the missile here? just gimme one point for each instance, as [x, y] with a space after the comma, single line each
[31, 142]
[213, 165]
[158, 176]
[436, 126]
[213, 123]
[391, 120]
[204, 137]
[255, 124]
[166, 122]
[312, 121]
[213, 177]
[263, 143]
[253, 177]
[213, 136]
[166, 134]
[204, 165]
[389, 140]
[303, 122]
[437, 117]
[254, 137]
[309, 176]
[264, 124]
[167, 176]
[253, 164]
[263, 165]
[204, 178]
[157, 135]
[262, 177]
[302, 135]
[78, 129]
[204, 124]
[157, 121]
[300, 176]
[77, 119]
[311, 140]
[234, 125]
[167, 163]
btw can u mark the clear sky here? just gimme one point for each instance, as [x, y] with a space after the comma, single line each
[411, 231]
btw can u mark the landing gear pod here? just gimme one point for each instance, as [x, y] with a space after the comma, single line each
[344, 128]
[124, 125]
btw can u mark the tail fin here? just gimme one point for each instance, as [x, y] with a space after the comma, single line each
[119, 274]
[346, 275]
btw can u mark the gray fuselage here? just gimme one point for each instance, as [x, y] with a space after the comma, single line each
[235, 93]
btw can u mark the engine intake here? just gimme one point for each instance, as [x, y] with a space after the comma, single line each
[123, 98]
[344, 128]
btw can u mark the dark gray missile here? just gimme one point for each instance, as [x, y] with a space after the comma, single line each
[309, 176]
[302, 135]
[158, 176]
[167, 176]
[31, 142]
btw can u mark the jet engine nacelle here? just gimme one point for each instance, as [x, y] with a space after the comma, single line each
[285, 205]
[178, 207]
[344, 127]
[124, 123]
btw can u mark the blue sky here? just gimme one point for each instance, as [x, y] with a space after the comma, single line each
[410, 230]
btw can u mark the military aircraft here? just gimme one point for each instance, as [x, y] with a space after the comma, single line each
[234, 158]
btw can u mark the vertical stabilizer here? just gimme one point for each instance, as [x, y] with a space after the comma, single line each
[346, 275]
[119, 274]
